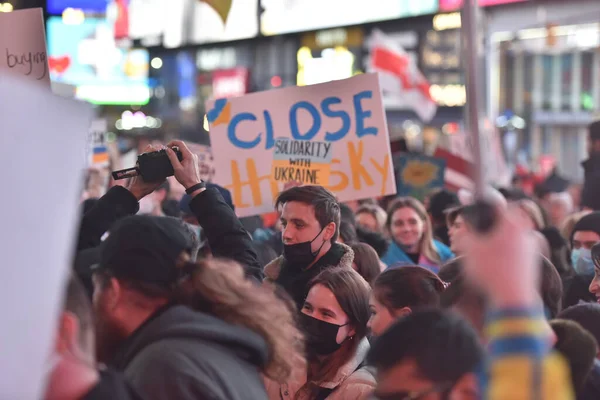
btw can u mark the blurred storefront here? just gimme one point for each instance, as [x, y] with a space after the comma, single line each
[544, 82]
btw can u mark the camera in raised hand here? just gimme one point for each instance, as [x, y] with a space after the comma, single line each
[152, 166]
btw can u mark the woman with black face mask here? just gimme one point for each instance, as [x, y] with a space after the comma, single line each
[334, 321]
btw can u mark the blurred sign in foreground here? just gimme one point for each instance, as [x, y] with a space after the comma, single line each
[332, 134]
[41, 149]
[23, 39]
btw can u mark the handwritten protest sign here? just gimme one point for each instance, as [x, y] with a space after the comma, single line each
[333, 134]
[48, 149]
[23, 44]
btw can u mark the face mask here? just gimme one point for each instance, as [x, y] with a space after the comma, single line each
[301, 253]
[320, 335]
[582, 261]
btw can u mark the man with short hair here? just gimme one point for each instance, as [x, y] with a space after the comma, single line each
[428, 354]
[310, 217]
[73, 374]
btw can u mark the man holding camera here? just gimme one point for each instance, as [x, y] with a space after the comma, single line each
[224, 232]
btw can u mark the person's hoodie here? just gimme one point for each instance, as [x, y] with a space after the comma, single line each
[183, 354]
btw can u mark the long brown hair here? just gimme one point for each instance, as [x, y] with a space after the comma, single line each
[426, 247]
[219, 288]
[352, 293]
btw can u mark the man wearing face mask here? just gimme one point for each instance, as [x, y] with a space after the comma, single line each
[310, 218]
[586, 234]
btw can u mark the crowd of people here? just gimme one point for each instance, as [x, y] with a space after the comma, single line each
[388, 298]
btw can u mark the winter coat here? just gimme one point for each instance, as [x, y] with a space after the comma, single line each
[295, 280]
[352, 382]
[183, 354]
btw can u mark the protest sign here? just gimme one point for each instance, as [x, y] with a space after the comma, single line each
[333, 134]
[97, 148]
[23, 44]
[41, 157]
[418, 174]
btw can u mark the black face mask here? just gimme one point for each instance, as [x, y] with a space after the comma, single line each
[320, 335]
[300, 254]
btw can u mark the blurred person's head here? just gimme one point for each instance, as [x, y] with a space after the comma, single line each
[310, 216]
[471, 303]
[461, 296]
[559, 251]
[559, 207]
[456, 229]
[366, 262]
[145, 264]
[533, 213]
[439, 203]
[371, 217]
[334, 319]
[152, 203]
[410, 227]
[587, 315]
[376, 240]
[566, 230]
[431, 353]
[586, 233]
[578, 347]
[593, 143]
[347, 214]
[595, 284]
[400, 291]
[72, 362]
[347, 233]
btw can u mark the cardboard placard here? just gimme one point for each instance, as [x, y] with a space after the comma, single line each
[333, 134]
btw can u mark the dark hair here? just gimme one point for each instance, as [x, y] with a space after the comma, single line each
[587, 315]
[366, 261]
[352, 293]
[346, 214]
[327, 208]
[440, 202]
[376, 240]
[409, 286]
[78, 303]
[348, 232]
[559, 251]
[452, 214]
[170, 208]
[551, 288]
[443, 346]
[594, 130]
[578, 347]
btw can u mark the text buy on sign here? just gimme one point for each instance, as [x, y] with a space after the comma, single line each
[333, 134]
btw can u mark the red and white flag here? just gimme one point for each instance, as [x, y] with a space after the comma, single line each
[401, 81]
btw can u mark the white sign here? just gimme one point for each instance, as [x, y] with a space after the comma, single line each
[23, 44]
[40, 154]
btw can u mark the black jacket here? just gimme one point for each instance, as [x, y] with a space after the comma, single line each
[226, 236]
[184, 354]
[590, 195]
[111, 386]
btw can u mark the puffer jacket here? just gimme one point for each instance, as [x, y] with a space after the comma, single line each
[352, 382]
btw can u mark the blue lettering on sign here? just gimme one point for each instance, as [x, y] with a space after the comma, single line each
[326, 107]
[242, 144]
[314, 129]
[361, 114]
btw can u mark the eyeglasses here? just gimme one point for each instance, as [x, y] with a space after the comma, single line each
[413, 395]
